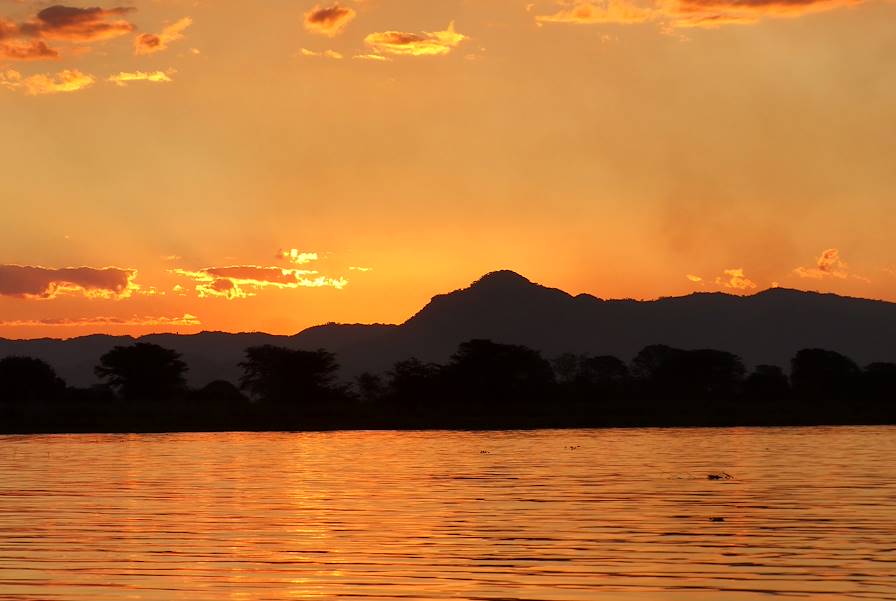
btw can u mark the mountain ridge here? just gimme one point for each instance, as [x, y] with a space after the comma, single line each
[768, 326]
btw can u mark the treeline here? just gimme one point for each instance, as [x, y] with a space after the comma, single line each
[483, 385]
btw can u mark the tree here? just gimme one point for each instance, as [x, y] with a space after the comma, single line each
[767, 383]
[219, 391]
[29, 379]
[820, 374]
[603, 377]
[670, 373]
[880, 382]
[370, 387]
[143, 371]
[487, 370]
[412, 381]
[276, 374]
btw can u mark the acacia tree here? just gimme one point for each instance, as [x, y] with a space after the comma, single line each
[143, 371]
[272, 373]
[28, 379]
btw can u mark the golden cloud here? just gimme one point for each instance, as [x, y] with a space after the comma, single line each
[325, 54]
[243, 281]
[372, 57]
[328, 20]
[46, 283]
[123, 78]
[693, 278]
[68, 80]
[736, 280]
[684, 13]
[149, 43]
[78, 24]
[184, 320]
[399, 43]
[828, 264]
[299, 258]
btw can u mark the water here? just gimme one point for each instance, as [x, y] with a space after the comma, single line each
[623, 514]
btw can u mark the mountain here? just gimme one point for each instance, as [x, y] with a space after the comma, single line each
[767, 327]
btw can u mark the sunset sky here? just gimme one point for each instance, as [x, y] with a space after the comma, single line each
[198, 165]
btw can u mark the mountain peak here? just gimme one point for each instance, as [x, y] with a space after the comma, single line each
[503, 278]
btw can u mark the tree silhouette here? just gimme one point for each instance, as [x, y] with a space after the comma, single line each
[486, 370]
[220, 391]
[603, 377]
[823, 375]
[767, 383]
[670, 373]
[272, 373]
[29, 379]
[412, 381]
[143, 371]
[370, 387]
[880, 382]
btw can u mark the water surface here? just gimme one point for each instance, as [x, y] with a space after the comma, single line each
[575, 514]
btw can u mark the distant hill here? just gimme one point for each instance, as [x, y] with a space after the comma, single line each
[767, 327]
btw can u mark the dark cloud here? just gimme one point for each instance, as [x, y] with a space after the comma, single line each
[78, 24]
[328, 20]
[43, 283]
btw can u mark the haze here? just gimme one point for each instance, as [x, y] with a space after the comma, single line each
[187, 165]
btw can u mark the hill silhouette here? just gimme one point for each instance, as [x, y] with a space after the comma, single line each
[768, 327]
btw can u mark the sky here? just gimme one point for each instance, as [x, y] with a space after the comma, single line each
[199, 165]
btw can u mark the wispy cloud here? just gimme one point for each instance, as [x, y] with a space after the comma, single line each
[682, 13]
[328, 20]
[693, 278]
[184, 320]
[124, 78]
[428, 43]
[32, 282]
[589, 13]
[293, 255]
[149, 43]
[321, 54]
[243, 281]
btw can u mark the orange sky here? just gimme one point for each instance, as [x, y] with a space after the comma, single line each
[162, 158]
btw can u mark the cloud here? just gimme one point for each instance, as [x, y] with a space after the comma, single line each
[589, 13]
[294, 256]
[46, 283]
[149, 43]
[242, 281]
[828, 264]
[74, 24]
[361, 269]
[123, 78]
[684, 13]
[693, 278]
[736, 280]
[328, 20]
[326, 53]
[34, 50]
[399, 43]
[68, 80]
[184, 320]
[373, 57]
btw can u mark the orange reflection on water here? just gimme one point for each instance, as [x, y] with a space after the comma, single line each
[568, 515]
